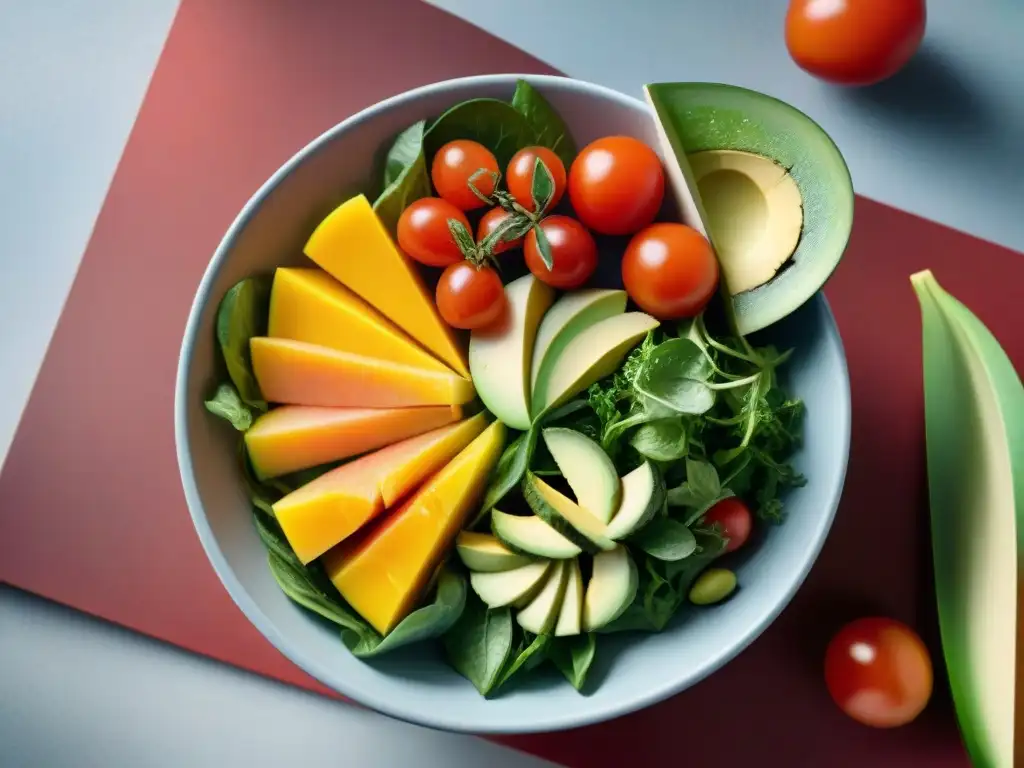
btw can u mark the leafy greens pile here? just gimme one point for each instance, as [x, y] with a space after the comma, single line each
[710, 414]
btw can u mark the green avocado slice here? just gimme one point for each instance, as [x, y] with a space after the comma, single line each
[482, 552]
[643, 495]
[611, 589]
[541, 614]
[696, 122]
[513, 587]
[529, 535]
[565, 516]
[588, 470]
[974, 429]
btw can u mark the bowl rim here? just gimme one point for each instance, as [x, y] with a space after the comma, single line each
[365, 696]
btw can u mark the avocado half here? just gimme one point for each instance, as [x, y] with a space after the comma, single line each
[765, 184]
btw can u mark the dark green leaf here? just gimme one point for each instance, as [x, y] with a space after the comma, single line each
[430, 621]
[300, 590]
[510, 470]
[573, 657]
[493, 123]
[661, 440]
[229, 406]
[633, 619]
[262, 497]
[241, 315]
[543, 188]
[411, 182]
[544, 246]
[479, 644]
[665, 539]
[299, 583]
[526, 659]
[702, 486]
[675, 375]
[406, 149]
[549, 130]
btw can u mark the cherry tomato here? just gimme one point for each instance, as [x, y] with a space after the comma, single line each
[854, 42]
[670, 270]
[879, 672]
[573, 253]
[735, 520]
[616, 185]
[519, 176]
[423, 232]
[490, 220]
[470, 296]
[454, 165]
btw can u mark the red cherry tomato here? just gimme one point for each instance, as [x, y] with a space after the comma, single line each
[490, 220]
[470, 296]
[423, 232]
[879, 672]
[519, 176]
[854, 42]
[670, 270]
[735, 520]
[454, 165]
[573, 253]
[616, 185]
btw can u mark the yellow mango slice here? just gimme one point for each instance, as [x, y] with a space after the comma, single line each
[294, 437]
[298, 373]
[383, 573]
[353, 246]
[335, 505]
[309, 305]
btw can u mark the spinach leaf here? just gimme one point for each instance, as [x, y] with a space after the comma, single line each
[675, 374]
[527, 658]
[701, 490]
[411, 183]
[494, 123]
[261, 497]
[479, 643]
[404, 152]
[662, 439]
[241, 315]
[303, 584]
[573, 657]
[549, 130]
[430, 621]
[509, 471]
[229, 406]
[633, 619]
[702, 484]
[665, 539]
[664, 586]
[669, 582]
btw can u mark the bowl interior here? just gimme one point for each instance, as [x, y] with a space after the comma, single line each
[415, 684]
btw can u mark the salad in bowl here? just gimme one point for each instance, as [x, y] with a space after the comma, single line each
[525, 399]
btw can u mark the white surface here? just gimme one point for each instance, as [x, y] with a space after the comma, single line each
[942, 139]
[72, 77]
[90, 694]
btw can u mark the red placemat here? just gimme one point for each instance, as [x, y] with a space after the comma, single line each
[91, 509]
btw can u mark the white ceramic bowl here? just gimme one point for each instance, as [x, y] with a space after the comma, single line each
[415, 684]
